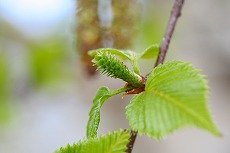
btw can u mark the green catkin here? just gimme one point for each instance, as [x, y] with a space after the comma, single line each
[112, 67]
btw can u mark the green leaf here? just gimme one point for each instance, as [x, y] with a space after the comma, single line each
[175, 96]
[111, 143]
[151, 52]
[124, 54]
[94, 116]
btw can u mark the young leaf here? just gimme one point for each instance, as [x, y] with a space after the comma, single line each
[175, 96]
[151, 52]
[124, 54]
[94, 115]
[111, 143]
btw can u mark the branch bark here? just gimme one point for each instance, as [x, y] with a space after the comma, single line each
[131, 141]
[175, 14]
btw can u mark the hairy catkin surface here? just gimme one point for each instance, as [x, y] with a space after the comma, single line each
[112, 67]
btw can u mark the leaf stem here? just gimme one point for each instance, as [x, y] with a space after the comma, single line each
[135, 66]
[175, 14]
[120, 90]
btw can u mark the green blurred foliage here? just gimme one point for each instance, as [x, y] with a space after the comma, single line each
[47, 59]
[4, 77]
[4, 90]
[47, 63]
[150, 32]
[151, 28]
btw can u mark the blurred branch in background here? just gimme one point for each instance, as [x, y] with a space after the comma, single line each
[88, 31]
[102, 23]
[124, 29]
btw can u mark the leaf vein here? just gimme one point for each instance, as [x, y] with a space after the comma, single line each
[181, 107]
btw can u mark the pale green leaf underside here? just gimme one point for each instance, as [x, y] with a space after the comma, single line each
[111, 143]
[94, 115]
[150, 52]
[175, 96]
[124, 54]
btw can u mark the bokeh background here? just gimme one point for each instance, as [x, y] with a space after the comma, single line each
[46, 93]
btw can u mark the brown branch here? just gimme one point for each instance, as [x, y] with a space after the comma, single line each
[131, 141]
[175, 14]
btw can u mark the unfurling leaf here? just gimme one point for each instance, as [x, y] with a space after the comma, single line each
[175, 96]
[151, 52]
[94, 115]
[111, 66]
[111, 143]
[123, 54]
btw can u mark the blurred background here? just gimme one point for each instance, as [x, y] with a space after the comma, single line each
[47, 83]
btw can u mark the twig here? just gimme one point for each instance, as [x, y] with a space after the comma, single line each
[131, 141]
[175, 14]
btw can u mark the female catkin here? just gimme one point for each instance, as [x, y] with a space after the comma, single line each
[111, 66]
